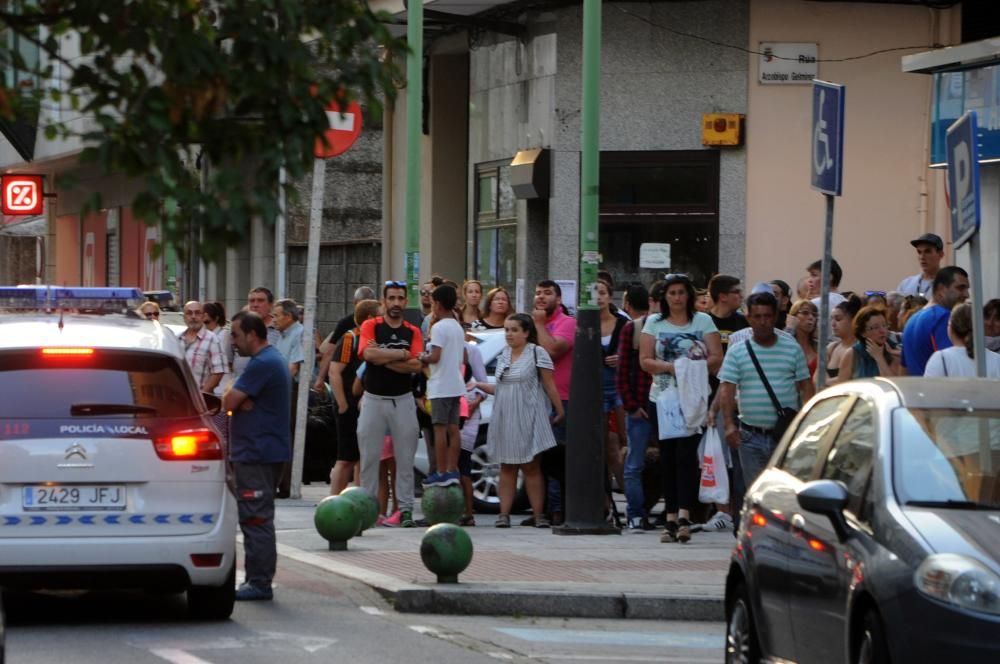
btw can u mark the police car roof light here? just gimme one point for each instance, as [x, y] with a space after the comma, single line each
[88, 299]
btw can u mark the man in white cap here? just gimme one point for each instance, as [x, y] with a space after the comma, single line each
[930, 252]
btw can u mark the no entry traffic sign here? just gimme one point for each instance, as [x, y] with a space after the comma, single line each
[344, 130]
[22, 194]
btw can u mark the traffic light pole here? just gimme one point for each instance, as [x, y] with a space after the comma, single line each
[586, 474]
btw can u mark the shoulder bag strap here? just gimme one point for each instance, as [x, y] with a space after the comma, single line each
[763, 378]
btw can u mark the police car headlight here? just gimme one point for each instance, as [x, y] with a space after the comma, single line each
[960, 581]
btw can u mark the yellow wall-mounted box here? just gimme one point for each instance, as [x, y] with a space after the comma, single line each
[722, 129]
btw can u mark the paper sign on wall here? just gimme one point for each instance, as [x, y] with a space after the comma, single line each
[654, 255]
[568, 294]
[519, 295]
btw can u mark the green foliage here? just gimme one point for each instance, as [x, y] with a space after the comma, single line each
[170, 82]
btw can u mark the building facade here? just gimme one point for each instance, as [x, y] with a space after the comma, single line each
[509, 80]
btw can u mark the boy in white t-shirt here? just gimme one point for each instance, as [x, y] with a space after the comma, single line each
[445, 387]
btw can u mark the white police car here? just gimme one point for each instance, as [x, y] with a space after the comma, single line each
[111, 471]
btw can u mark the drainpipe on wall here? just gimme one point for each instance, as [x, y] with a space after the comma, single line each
[414, 108]
[280, 245]
[388, 117]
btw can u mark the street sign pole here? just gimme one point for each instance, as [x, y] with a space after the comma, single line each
[824, 294]
[305, 371]
[586, 472]
[345, 127]
[827, 178]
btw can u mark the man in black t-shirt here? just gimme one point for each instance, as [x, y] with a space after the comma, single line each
[389, 346]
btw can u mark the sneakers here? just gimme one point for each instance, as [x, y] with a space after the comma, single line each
[450, 479]
[251, 593]
[392, 521]
[636, 525]
[406, 519]
[467, 520]
[503, 521]
[443, 479]
[721, 522]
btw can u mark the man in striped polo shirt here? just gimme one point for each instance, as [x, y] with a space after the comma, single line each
[784, 364]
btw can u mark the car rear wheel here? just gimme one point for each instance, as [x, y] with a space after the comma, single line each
[211, 602]
[742, 646]
[871, 648]
[486, 484]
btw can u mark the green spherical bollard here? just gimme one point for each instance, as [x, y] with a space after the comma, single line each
[443, 504]
[366, 504]
[337, 519]
[446, 550]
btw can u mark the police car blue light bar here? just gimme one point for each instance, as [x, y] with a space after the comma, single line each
[81, 299]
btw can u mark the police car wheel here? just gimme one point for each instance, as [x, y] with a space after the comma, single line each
[213, 603]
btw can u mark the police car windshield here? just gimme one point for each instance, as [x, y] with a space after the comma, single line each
[114, 384]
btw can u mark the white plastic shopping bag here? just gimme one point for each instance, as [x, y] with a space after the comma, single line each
[714, 480]
[669, 417]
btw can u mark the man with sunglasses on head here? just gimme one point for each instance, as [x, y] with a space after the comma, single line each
[389, 346]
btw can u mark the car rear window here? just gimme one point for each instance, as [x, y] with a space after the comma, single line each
[37, 386]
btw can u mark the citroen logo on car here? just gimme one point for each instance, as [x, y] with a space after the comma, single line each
[76, 449]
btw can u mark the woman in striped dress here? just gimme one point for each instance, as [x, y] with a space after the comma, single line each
[520, 426]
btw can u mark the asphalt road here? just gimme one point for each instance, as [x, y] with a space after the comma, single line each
[317, 617]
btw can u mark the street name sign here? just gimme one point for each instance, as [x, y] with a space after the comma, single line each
[963, 178]
[827, 137]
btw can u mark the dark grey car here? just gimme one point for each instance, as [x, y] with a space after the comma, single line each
[874, 533]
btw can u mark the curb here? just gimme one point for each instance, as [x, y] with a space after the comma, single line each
[483, 599]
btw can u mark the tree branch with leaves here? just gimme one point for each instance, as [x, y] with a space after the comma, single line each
[165, 83]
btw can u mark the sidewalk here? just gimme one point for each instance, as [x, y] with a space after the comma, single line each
[525, 571]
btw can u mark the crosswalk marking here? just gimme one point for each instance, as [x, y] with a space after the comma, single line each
[176, 656]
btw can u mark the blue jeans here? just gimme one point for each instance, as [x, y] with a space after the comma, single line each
[755, 451]
[639, 431]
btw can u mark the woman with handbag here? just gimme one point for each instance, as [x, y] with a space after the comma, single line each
[520, 428]
[677, 333]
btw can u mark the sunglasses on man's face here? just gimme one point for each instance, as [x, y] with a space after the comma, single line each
[151, 314]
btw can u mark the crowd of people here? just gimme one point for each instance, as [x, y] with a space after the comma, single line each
[676, 359]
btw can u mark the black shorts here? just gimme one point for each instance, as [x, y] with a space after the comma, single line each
[446, 410]
[465, 463]
[347, 435]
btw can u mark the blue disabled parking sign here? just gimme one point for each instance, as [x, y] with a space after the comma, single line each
[827, 137]
[963, 178]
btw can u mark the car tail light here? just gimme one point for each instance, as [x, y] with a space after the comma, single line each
[67, 352]
[190, 445]
[206, 559]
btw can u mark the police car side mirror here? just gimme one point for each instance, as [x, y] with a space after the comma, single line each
[212, 402]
